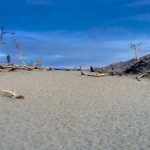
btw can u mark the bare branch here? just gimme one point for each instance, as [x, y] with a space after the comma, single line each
[2, 33]
[20, 52]
[12, 94]
[135, 48]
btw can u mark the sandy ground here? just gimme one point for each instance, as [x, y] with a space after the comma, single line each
[63, 110]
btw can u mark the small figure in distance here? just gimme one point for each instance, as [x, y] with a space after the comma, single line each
[91, 69]
[8, 59]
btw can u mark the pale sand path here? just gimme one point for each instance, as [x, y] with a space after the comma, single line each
[63, 110]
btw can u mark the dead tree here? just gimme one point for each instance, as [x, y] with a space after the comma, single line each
[20, 52]
[135, 47]
[2, 33]
[81, 70]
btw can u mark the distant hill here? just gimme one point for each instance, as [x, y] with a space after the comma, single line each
[131, 66]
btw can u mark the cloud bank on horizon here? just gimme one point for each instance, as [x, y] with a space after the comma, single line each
[69, 33]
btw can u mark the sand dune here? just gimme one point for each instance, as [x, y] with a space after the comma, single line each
[63, 110]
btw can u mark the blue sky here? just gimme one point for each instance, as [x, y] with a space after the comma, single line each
[68, 33]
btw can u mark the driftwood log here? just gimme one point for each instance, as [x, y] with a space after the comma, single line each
[117, 73]
[98, 75]
[12, 94]
[81, 70]
[137, 67]
[25, 67]
[142, 76]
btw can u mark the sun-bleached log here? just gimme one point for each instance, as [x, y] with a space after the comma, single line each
[98, 75]
[12, 94]
[81, 70]
[25, 67]
[82, 73]
[142, 76]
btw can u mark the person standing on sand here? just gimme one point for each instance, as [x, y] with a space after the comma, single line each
[91, 69]
[8, 59]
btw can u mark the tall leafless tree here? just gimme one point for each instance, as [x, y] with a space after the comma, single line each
[135, 47]
[20, 52]
[2, 33]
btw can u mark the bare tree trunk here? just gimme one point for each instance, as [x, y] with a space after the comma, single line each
[3, 33]
[20, 52]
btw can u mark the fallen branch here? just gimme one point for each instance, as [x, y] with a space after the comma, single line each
[81, 70]
[48, 69]
[142, 76]
[12, 94]
[118, 73]
[98, 75]
[17, 67]
[82, 73]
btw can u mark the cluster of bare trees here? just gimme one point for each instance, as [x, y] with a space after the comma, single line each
[37, 65]
[19, 54]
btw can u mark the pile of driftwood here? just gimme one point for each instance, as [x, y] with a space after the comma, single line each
[93, 75]
[140, 68]
[13, 67]
[115, 73]
[101, 73]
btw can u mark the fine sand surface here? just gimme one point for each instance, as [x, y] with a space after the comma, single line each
[63, 110]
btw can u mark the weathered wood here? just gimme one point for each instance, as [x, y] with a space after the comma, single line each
[48, 69]
[12, 94]
[82, 73]
[117, 73]
[17, 67]
[81, 70]
[141, 76]
[136, 67]
[98, 75]
[12, 69]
